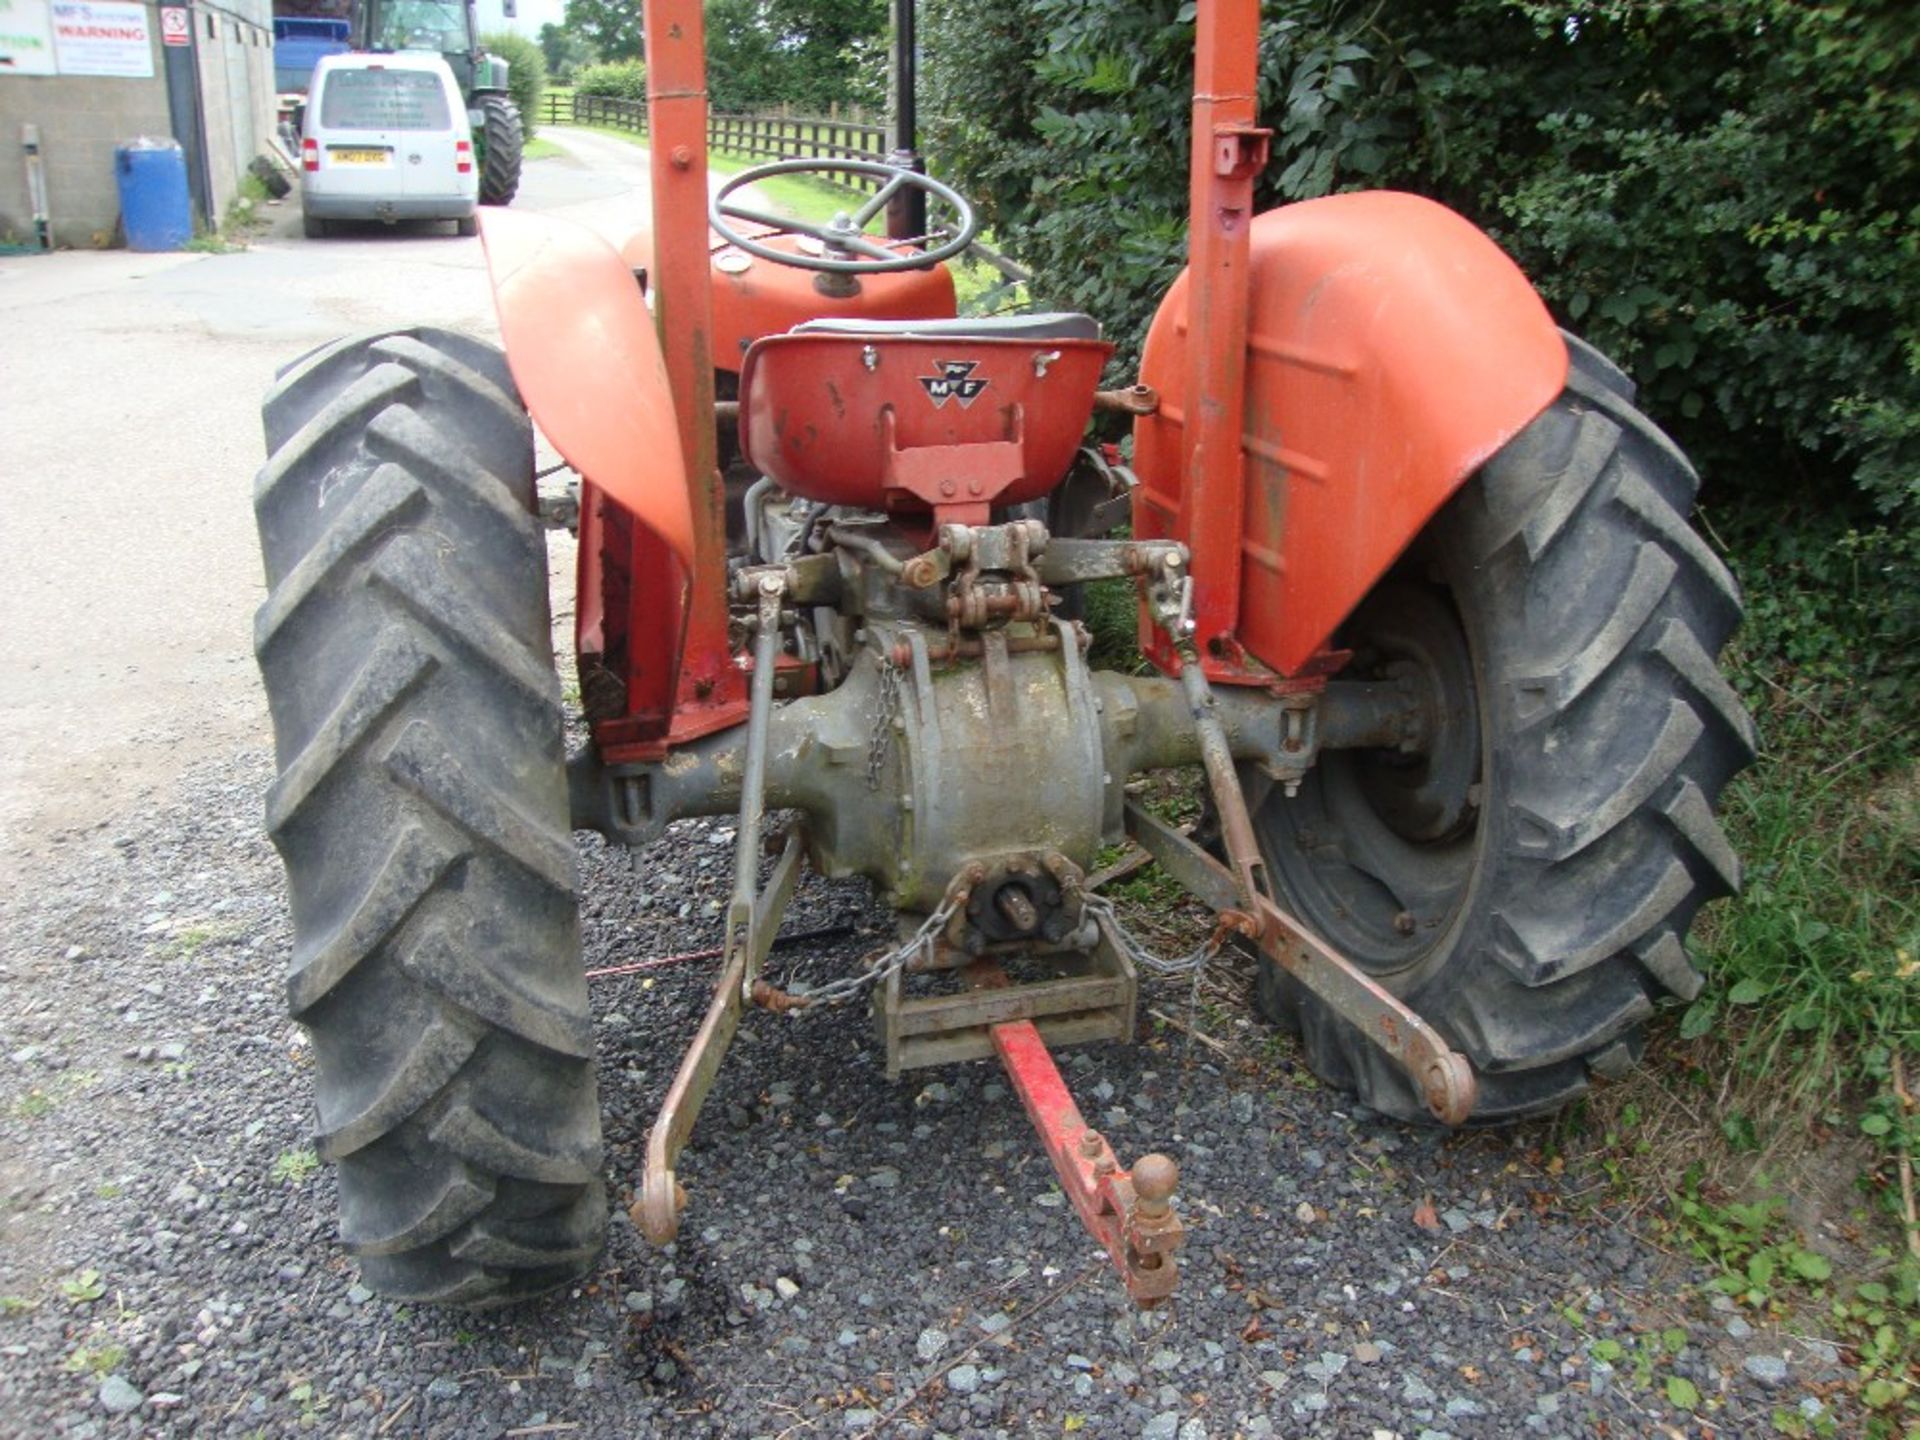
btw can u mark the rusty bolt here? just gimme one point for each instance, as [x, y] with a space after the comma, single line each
[1404, 922]
[1092, 1143]
[946, 487]
[682, 157]
[1103, 1165]
[1012, 902]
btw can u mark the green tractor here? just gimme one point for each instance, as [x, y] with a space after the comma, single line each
[451, 28]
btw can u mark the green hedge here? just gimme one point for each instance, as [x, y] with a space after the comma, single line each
[1724, 197]
[620, 79]
[526, 72]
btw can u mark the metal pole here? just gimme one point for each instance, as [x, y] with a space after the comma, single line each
[709, 690]
[37, 186]
[1229, 150]
[907, 211]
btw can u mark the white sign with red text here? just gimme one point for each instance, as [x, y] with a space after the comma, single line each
[102, 37]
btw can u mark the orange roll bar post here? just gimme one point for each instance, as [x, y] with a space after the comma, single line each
[708, 691]
[1229, 151]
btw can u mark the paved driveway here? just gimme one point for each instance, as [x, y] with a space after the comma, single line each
[131, 384]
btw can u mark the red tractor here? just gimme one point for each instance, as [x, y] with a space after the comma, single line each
[1415, 580]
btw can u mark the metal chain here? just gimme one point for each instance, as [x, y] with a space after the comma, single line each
[1102, 908]
[847, 987]
[882, 732]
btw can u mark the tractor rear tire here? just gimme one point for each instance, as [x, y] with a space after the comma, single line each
[1526, 885]
[421, 812]
[503, 138]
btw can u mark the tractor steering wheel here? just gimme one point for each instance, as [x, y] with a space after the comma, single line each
[846, 249]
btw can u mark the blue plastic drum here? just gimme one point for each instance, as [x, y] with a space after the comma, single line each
[153, 193]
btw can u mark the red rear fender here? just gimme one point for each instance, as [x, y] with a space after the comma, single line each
[585, 357]
[1392, 348]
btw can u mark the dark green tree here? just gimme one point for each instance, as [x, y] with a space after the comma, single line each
[806, 53]
[564, 51]
[612, 27]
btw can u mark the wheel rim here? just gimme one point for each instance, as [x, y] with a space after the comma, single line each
[1378, 850]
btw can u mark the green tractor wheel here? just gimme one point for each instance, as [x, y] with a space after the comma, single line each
[501, 138]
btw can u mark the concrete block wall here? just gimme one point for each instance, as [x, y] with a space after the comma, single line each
[82, 119]
[235, 41]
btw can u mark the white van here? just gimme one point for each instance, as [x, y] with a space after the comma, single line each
[385, 137]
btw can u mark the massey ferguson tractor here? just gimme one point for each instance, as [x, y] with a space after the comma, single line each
[1427, 627]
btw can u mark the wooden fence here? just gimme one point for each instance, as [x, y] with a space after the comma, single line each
[756, 137]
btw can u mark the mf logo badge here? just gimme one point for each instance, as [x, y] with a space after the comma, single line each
[954, 382]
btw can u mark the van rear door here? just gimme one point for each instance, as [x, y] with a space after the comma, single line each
[427, 158]
[369, 118]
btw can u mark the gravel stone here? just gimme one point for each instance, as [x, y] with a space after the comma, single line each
[1769, 1370]
[118, 1396]
[227, 1314]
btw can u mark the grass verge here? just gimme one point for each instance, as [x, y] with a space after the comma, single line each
[1772, 1134]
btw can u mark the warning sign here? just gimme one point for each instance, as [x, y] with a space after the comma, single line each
[26, 38]
[102, 37]
[176, 26]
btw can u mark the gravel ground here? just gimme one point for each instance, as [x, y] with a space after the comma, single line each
[858, 1256]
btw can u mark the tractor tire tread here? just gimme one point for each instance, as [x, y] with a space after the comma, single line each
[421, 812]
[505, 144]
[1612, 732]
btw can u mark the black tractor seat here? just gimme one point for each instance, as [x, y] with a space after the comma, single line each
[1056, 325]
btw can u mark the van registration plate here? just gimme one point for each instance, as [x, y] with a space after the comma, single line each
[343, 156]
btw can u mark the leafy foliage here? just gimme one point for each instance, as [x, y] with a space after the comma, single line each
[612, 27]
[526, 72]
[1724, 197]
[621, 79]
[565, 52]
[809, 54]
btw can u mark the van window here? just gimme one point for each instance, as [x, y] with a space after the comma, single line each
[384, 100]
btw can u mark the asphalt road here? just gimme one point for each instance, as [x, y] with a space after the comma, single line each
[131, 384]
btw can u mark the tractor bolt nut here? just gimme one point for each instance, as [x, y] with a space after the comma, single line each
[1404, 922]
[1092, 1144]
[682, 157]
